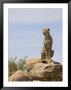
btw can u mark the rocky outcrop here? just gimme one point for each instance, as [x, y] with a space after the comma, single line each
[39, 72]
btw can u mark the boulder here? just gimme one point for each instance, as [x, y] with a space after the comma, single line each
[33, 60]
[39, 72]
[18, 76]
[44, 72]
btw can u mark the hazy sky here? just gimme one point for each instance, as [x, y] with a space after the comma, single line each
[25, 31]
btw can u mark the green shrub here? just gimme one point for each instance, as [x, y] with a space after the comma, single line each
[21, 63]
[12, 67]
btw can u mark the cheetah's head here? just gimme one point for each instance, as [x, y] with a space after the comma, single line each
[46, 31]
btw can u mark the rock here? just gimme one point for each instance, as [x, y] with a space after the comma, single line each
[45, 72]
[18, 76]
[33, 60]
[39, 72]
[30, 62]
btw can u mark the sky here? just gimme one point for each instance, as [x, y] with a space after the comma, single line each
[25, 37]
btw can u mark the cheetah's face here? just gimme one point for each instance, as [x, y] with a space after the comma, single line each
[45, 31]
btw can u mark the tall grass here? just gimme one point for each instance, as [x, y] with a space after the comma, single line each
[14, 64]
